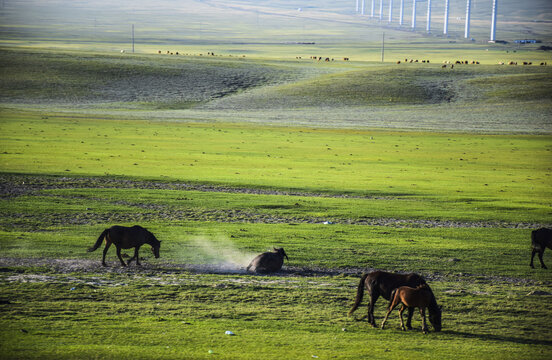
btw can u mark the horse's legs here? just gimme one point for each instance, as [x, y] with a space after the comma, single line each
[409, 318]
[532, 256]
[373, 298]
[424, 325]
[107, 245]
[119, 255]
[400, 316]
[540, 258]
[392, 305]
[136, 249]
[134, 257]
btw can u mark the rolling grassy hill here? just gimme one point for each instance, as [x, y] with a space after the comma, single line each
[301, 91]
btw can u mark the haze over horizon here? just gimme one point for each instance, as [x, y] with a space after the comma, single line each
[248, 21]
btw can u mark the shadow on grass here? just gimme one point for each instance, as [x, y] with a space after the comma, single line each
[502, 338]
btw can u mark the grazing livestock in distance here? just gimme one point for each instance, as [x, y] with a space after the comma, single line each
[125, 238]
[345, 59]
[381, 283]
[540, 240]
[421, 297]
[268, 262]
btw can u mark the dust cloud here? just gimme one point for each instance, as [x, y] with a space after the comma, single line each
[220, 253]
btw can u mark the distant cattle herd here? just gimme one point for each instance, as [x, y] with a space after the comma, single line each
[447, 63]
[209, 53]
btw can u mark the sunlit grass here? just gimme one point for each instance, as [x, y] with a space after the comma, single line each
[501, 172]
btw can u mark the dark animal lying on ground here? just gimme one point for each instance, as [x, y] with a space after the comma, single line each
[267, 262]
[125, 238]
[381, 283]
[540, 240]
[421, 297]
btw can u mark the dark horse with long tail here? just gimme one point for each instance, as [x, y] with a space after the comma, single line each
[125, 238]
[381, 283]
[421, 297]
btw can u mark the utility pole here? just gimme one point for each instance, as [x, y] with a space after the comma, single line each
[493, 21]
[382, 45]
[133, 38]
[445, 20]
[401, 13]
[413, 14]
[428, 25]
[468, 13]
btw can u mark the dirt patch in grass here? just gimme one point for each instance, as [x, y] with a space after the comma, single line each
[12, 185]
[71, 270]
[16, 184]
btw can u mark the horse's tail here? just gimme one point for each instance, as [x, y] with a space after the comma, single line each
[359, 295]
[99, 241]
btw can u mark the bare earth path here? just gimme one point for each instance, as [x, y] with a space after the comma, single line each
[16, 185]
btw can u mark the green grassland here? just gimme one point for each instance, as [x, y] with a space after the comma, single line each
[350, 166]
[458, 172]
[445, 205]
[186, 316]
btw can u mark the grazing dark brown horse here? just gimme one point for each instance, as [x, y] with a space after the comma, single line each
[267, 262]
[540, 240]
[125, 238]
[421, 297]
[381, 283]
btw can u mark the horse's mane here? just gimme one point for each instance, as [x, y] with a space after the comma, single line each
[433, 301]
[152, 240]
